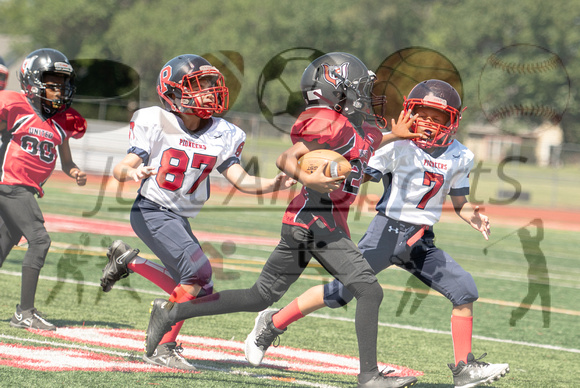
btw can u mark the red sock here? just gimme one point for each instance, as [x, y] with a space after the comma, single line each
[178, 295]
[155, 273]
[291, 313]
[461, 331]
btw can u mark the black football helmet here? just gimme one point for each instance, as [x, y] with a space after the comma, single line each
[342, 82]
[185, 80]
[439, 95]
[34, 68]
[3, 74]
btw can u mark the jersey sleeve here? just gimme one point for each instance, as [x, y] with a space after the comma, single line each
[460, 184]
[76, 124]
[236, 139]
[383, 160]
[317, 124]
[141, 131]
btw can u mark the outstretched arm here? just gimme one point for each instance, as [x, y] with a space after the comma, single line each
[471, 215]
[68, 166]
[251, 184]
[130, 168]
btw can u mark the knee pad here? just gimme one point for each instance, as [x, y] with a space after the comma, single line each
[371, 291]
[466, 293]
[37, 250]
[260, 300]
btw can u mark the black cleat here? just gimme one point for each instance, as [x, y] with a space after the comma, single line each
[382, 380]
[159, 324]
[169, 356]
[30, 319]
[119, 254]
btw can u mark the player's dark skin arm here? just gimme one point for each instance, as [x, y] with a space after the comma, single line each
[68, 166]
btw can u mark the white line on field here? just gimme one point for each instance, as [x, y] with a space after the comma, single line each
[136, 356]
[433, 331]
[322, 316]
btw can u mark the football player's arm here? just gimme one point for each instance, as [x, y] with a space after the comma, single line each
[288, 163]
[251, 184]
[131, 168]
[68, 166]
[471, 214]
[401, 129]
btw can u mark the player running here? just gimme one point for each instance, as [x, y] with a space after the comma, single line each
[417, 176]
[337, 89]
[173, 150]
[33, 124]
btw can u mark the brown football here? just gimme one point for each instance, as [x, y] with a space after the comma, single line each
[337, 166]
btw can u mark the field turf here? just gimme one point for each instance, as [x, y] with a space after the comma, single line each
[414, 323]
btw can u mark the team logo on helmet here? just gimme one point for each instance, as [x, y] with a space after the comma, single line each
[330, 73]
[27, 64]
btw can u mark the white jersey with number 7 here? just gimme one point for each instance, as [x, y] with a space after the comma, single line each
[420, 182]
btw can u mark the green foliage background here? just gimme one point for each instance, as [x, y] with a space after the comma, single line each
[145, 34]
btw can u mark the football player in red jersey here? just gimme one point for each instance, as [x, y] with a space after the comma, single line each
[33, 125]
[417, 175]
[337, 89]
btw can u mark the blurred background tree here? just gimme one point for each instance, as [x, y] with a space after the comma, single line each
[144, 34]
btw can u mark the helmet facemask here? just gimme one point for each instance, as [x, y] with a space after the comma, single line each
[201, 93]
[440, 135]
[359, 99]
[61, 82]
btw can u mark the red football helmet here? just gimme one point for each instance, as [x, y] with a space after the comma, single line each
[438, 95]
[3, 74]
[190, 85]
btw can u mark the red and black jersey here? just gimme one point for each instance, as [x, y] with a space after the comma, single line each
[28, 150]
[329, 127]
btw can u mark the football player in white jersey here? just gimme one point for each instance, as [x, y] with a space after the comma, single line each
[417, 174]
[172, 151]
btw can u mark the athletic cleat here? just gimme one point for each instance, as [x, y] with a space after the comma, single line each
[169, 355]
[119, 254]
[30, 319]
[159, 324]
[261, 337]
[476, 372]
[381, 380]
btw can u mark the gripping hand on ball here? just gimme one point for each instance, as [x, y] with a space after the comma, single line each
[319, 182]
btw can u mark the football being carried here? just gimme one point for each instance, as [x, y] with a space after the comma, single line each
[336, 164]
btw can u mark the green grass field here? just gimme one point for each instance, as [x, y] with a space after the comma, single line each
[538, 356]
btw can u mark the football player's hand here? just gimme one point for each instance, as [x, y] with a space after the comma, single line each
[80, 177]
[319, 182]
[142, 172]
[283, 181]
[480, 222]
[402, 127]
